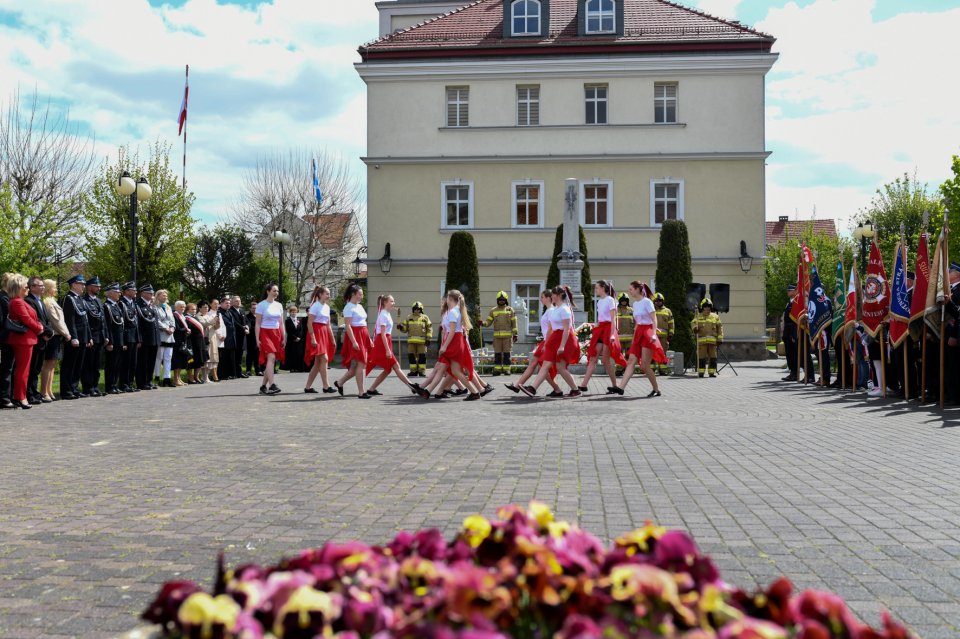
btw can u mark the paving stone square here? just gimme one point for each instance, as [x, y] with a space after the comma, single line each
[101, 500]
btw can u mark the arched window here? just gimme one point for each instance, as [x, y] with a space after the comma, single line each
[526, 17]
[601, 16]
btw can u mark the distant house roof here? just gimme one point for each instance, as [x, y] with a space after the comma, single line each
[649, 26]
[331, 228]
[786, 229]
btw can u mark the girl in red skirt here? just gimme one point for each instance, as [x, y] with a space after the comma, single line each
[321, 346]
[604, 341]
[382, 355]
[562, 348]
[455, 354]
[646, 345]
[271, 336]
[356, 340]
[546, 300]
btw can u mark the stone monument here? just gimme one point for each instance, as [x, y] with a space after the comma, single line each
[569, 262]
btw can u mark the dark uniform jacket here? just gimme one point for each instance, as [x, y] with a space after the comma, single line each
[131, 325]
[147, 318]
[97, 321]
[789, 326]
[238, 324]
[226, 317]
[75, 317]
[113, 323]
[251, 321]
[41, 311]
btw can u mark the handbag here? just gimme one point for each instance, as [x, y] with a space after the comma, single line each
[185, 350]
[11, 325]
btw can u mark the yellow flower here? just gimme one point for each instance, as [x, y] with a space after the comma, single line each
[203, 611]
[558, 529]
[302, 602]
[713, 602]
[641, 536]
[540, 512]
[476, 528]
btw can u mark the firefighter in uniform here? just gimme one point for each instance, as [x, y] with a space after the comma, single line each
[665, 330]
[709, 331]
[131, 338]
[419, 331]
[75, 317]
[113, 339]
[503, 319]
[90, 375]
[625, 325]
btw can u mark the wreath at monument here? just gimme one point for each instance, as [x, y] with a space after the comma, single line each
[523, 575]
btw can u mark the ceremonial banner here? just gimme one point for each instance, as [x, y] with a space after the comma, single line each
[934, 290]
[839, 301]
[919, 303]
[899, 303]
[850, 316]
[799, 307]
[876, 293]
[819, 309]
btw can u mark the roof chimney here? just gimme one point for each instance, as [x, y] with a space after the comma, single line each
[784, 218]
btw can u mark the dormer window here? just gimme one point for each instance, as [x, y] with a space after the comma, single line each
[601, 16]
[526, 17]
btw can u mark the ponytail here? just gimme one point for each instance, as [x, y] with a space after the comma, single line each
[351, 291]
[643, 287]
[569, 293]
[380, 300]
[318, 291]
[607, 288]
[458, 298]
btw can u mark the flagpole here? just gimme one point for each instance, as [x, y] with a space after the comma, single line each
[923, 371]
[841, 362]
[853, 350]
[904, 345]
[883, 363]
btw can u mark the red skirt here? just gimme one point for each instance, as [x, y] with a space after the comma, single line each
[350, 354]
[459, 351]
[646, 337]
[326, 345]
[271, 341]
[571, 353]
[381, 356]
[538, 355]
[603, 334]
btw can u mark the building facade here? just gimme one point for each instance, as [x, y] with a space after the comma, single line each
[477, 117]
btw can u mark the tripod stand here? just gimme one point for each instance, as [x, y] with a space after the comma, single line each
[726, 362]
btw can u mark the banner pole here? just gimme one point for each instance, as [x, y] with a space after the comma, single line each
[853, 351]
[943, 339]
[906, 370]
[923, 371]
[842, 363]
[883, 364]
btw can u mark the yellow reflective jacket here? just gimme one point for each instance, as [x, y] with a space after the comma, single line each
[625, 325]
[665, 323]
[503, 320]
[707, 328]
[418, 328]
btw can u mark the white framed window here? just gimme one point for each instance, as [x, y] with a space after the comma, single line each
[456, 203]
[458, 106]
[596, 203]
[528, 105]
[527, 204]
[595, 96]
[665, 102]
[601, 16]
[529, 292]
[666, 200]
[526, 17]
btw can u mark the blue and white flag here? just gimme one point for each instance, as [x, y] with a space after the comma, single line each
[819, 307]
[899, 299]
[316, 185]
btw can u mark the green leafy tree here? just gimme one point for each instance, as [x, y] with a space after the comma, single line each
[950, 190]
[674, 276]
[463, 274]
[165, 237]
[252, 278]
[586, 283]
[904, 200]
[784, 258]
[214, 265]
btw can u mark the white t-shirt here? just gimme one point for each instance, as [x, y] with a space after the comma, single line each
[354, 314]
[453, 315]
[320, 312]
[557, 316]
[271, 314]
[384, 323]
[644, 312]
[606, 309]
[545, 322]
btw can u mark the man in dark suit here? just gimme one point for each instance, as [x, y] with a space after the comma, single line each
[131, 338]
[226, 368]
[112, 339]
[253, 349]
[240, 323]
[35, 300]
[149, 338]
[75, 317]
[91, 360]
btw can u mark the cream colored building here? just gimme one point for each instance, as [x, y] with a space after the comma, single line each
[474, 123]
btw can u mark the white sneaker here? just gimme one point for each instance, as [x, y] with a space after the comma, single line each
[869, 384]
[875, 392]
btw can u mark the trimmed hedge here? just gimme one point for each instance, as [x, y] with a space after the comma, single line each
[674, 276]
[463, 274]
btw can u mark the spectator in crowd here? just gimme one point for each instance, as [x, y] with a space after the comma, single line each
[165, 328]
[53, 352]
[253, 349]
[295, 340]
[181, 339]
[243, 331]
[226, 368]
[6, 352]
[214, 333]
[21, 342]
[34, 298]
[197, 344]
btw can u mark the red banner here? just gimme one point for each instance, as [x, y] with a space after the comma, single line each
[918, 304]
[799, 308]
[876, 293]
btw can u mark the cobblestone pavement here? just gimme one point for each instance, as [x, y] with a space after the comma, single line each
[102, 500]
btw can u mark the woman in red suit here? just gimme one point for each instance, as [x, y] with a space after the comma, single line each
[22, 343]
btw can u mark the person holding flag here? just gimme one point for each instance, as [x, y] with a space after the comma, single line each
[918, 301]
[836, 328]
[876, 307]
[819, 319]
[899, 326]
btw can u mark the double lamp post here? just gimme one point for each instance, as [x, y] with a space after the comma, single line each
[138, 191]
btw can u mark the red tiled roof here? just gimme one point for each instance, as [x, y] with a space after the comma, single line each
[330, 228]
[783, 230]
[649, 25]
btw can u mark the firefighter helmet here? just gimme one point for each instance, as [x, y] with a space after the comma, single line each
[658, 297]
[706, 302]
[417, 306]
[502, 296]
[623, 298]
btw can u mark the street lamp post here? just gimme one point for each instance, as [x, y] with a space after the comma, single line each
[864, 232]
[358, 263]
[138, 191]
[282, 238]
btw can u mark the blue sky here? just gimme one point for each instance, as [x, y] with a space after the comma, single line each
[859, 95]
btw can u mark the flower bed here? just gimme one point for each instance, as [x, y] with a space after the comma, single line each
[523, 576]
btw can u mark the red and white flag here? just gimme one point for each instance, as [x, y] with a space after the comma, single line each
[922, 282]
[850, 316]
[876, 293]
[182, 119]
[798, 310]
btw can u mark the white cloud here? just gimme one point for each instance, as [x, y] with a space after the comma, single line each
[873, 99]
[726, 9]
